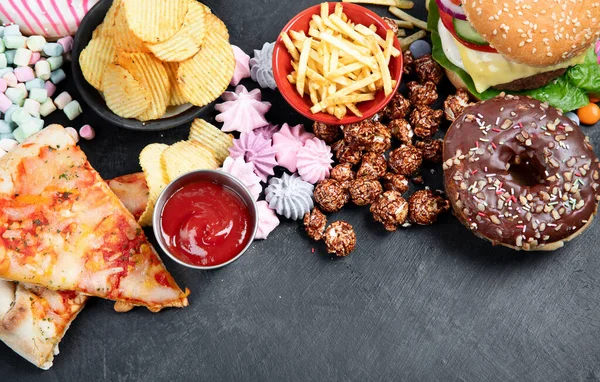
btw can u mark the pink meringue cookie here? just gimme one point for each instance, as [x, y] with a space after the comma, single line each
[314, 160]
[242, 66]
[267, 220]
[242, 111]
[287, 142]
[245, 174]
[267, 131]
[257, 150]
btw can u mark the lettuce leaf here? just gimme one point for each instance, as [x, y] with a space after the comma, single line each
[568, 92]
[561, 94]
[587, 75]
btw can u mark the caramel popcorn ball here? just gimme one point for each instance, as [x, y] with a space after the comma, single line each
[401, 130]
[454, 105]
[395, 182]
[406, 160]
[373, 166]
[364, 191]
[424, 207]
[343, 172]
[314, 224]
[390, 209]
[425, 121]
[428, 70]
[382, 139]
[431, 149]
[360, 134]
[340, 238]
[398, 107]
[409, 63]
[330, 195]
[328, 133]
[347, 153]
[422, 94]
[392, 24]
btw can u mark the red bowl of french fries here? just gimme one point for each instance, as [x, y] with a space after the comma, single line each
[337, 63]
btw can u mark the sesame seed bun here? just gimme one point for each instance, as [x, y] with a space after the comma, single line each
[536, 32]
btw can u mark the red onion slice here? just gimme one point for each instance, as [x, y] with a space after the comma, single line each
[452, 9]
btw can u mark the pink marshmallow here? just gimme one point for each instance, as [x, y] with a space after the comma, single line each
[35, 57]
[50, 87]
[5, 103]
[11, 79]
[67, 43]
[3, 85]
[87, 132]
[24, 73]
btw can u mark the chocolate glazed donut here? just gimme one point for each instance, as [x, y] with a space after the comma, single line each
[520, 174]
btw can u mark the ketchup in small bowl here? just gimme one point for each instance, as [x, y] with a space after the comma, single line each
[205, 219]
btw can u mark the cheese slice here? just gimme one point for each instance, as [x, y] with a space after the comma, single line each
[491, 69]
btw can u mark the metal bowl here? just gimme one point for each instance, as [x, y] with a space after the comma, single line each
[214, 176]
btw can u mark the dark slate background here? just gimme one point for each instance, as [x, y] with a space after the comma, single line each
[425, 303]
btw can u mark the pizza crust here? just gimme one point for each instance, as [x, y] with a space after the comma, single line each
[33, 333]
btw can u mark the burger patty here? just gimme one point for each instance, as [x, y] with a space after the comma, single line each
[533, 82]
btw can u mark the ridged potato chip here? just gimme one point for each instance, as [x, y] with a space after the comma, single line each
[155, 21]
[153, 76]
[212, 137]
[186, 156]
[217, 25]
[188, 40]
[105, 27]
[125, 40]
[206, 76]
[97, 55]
[124, 95]
[150, 160]
[177, 97]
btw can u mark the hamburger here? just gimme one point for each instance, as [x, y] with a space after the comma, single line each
[546, 49]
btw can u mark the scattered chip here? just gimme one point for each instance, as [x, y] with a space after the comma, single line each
[150, 160]
[124, 95]
[186, 156]
[206, 76]
[151, 73]
[188, 40]
[155, 21]
[212, 137]
[97, 55]
[177, 97]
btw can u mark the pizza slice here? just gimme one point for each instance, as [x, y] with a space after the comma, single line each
[61, 227]
[132, 191]
[33, 319]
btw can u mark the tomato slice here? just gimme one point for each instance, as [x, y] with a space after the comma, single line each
[456, 2]
[447, 21]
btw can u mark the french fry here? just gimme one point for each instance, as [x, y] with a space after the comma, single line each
[405, 43]
[324, 10]
[406, 17]
[401, 33]
[352, 107]
[289, 45]
[303, 65]
[383, 66]
[382, 43]
[394, 3]
[404, 24]
[341, 45]
[389, 44]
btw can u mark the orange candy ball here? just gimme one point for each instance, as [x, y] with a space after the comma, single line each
[590, 114]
